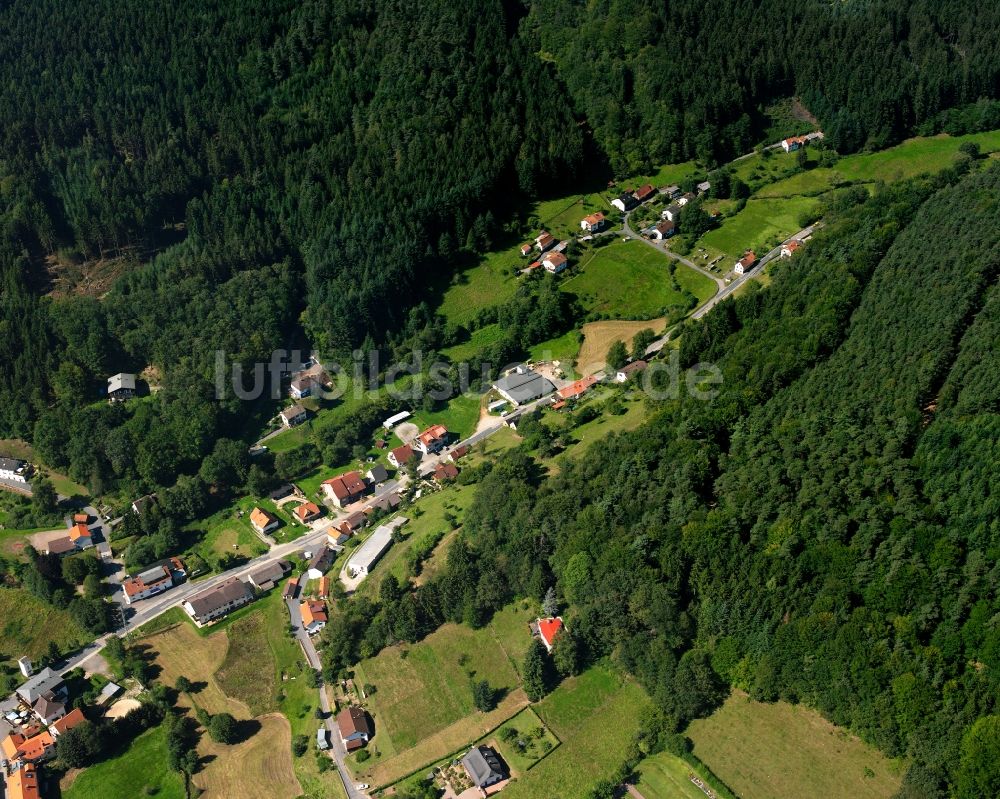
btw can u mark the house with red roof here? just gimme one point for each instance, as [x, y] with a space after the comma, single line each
[545, 241]
[400, 456]
[592, 222]
[72, 719]
[345, 488]
[307, 512]
[793, 143]
[547, 629]
[745, 263]
[79, 534]
[789, 247]
[555, 262]
[577, 388]
[432, 440]
[643, 193]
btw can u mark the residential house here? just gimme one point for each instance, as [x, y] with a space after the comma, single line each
[307, 512]
[374, 547]
[353, 523]
[547, 629]
[320, 562]
[793, 143]
[218, 601]
[577, 388]
[377, 474]
[303, 387]
[263, 521]
[81, 518]
[626, 202]
[704, 187]
[458, 452]
[345, 489]
[432, 440]
[401, 455]
[555, 262]
[672, 213]
[526, 249]
[291, 589]
[295, 415]
[355, 727]
[521, 385]
[142, 505]
[45, 682]
[592, 222]
[48, 709]
[72, 719]
[628, 370]
[745, 263]
[445, 471]
[269, 575]
[313, 613]
[14, 470]
[484, 767]
[672, 192]
[34, 749]
[23, 783]
[153, 581]
[79, 534]
[121, 387]
[24, 665]
[685, 198]
[323, 590]
[60, 546]
[545, 241]
[664, 230]
[386, 502]
[337, 535]
[789, 247]
[644, 193]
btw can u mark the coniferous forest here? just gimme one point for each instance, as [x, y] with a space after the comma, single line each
[824, 531]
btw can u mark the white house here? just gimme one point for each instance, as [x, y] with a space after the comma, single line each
[555, 262]
[745, 263]
[788, 248]
[663, 230]
[672, 212]
[218, 601]
[121, 387]
[16, 471]
[593, 222]
[295, 415]
[703, 187]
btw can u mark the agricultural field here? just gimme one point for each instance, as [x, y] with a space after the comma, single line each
[772, 751]
[666, 776]
[594, 716]
[143, 765]
[28, 625]
[599, 336]
[422, 704]
[630, 280]
[761, 225]
[256, 768]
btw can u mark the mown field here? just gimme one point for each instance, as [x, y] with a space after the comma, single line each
[595, 716]
[144, 765]
[761, 225]
[666, 776]
[599, 336]
[773, 751]
[629, 280]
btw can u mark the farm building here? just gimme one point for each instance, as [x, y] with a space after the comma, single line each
[522, 385]
[375, 546]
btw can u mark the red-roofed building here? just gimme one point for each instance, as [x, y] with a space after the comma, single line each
[445, 471]
[526, 249]
[643, 193]
[577, 388]
[432, 440]
[313, 615]
[23, 783]
[307, 512]
[80, 536]
[67, 722]
[788, 248]
[745, 263]
[345, 488]
[547, 629]
[793, 143]
[544, 241]
[401, 456]
[593, 222]
[555, 262]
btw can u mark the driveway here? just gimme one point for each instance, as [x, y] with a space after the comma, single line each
[336, 751]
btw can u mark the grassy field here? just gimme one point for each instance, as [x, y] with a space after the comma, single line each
[772, 751]
[599, 336]
[761, 225]
[628, 280]
[143, 764]
[490, 282]
[561, 216]
[665, 776]
[527, 725]
[595, 716]
[28, 625]
[478, 340]
[564, 349]
[223, 533]
[604, 425]
[257, 768]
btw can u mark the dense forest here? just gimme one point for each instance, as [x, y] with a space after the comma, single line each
[820, 532]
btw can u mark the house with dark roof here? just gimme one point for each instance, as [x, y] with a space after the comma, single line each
[672, 212]
[386, 502]
[295, 415]
[628, 370]
[48, 709]
[355, 727]
[45, 682]
[664, 230]
[484, 767]
[320, 562]
[377, 474]
[626, 202]
[121, 387]
[522, 385]
[148, 583]
[15, 470]
[269, 575]
[217, 602]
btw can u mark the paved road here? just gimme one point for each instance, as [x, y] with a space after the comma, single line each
[337, 751]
